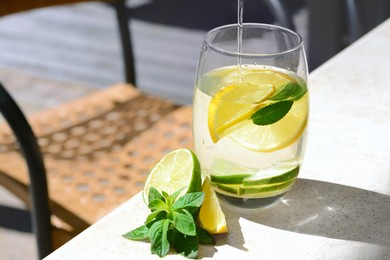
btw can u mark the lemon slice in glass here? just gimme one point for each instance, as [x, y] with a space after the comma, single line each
[233, 104]
[176, 170]
[237, 101]
[275, 136]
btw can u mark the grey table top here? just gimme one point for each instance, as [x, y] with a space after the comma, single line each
[339, 207]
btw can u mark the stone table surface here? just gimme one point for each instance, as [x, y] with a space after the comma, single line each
[338, 209]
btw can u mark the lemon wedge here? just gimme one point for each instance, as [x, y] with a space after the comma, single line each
[211, 216]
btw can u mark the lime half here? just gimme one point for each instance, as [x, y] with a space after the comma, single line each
[176, 170]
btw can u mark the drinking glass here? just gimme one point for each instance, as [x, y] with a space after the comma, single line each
[250, 112]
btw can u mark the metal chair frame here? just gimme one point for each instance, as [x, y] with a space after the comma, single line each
[277, 8]
[40, 211]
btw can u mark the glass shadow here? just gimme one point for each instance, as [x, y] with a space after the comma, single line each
[330, 210]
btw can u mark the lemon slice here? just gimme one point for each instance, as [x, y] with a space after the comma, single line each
[236, 102]
[176, 170]
[275, 136]
[211, 216]
[233, 104]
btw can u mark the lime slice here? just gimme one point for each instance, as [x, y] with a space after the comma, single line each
[280, 173]
[229, 179]
[233, 104]
[255, 191]
[263, 183]
[211, 216]
[230, 188]
[224, 171]
[263, 189]
[275, 136]
[176, 170]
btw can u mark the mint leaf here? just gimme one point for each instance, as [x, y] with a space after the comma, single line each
[158, 237]
[286, 91]
[166, 195]
[184, 223]
[156, 204]
[290, 91]
[272, 113]
[301, 92]
[140, 233]
[204, 237]
[158, 214]
[194, 211]
[185, 245]
[298, 97]
[189, 200]
[154, 194]
[172, 223]
[174, 196]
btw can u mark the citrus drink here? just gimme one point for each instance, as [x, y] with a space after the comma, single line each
[250, 131]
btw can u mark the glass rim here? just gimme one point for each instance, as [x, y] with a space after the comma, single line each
[299, 45]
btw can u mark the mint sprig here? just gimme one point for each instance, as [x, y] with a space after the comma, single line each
[172, 223]
[283, 101]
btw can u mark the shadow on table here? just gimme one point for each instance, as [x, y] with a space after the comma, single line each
[321, 209]
[330, 210]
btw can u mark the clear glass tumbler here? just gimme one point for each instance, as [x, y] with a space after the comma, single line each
[250, 112]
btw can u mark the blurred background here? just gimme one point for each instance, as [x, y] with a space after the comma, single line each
[75, 49]
[80, 43]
